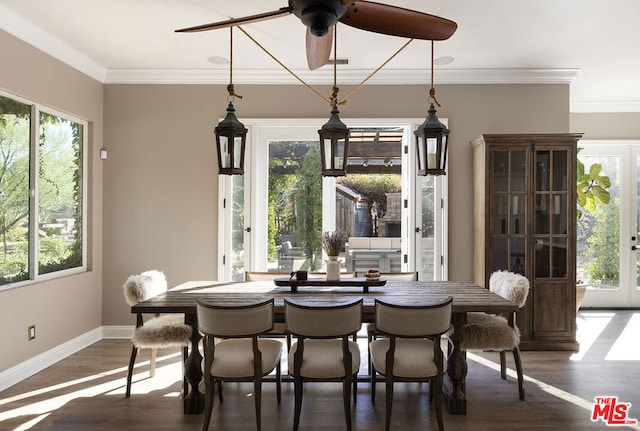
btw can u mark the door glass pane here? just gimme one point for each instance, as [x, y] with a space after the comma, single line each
[500, 210]
[517, 214]
[542, 258]
[559, 214]
[542, 170]
[598, 232]
[560, 170]
[427, 270]
[517, 256]
[559, 258]
[15, 120]
[542, 214]
[237, 227]
[518, 171]
[501, 171]
[295, 206]
[500, 253]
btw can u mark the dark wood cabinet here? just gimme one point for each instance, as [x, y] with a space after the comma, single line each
[525, 222]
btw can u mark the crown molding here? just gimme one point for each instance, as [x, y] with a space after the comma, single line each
[349, 77]
[51, 45]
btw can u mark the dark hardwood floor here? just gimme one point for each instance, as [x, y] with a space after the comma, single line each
[86, 392]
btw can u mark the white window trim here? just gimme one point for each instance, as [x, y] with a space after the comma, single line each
[34, 150]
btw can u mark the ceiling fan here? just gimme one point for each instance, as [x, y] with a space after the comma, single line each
[320, 15]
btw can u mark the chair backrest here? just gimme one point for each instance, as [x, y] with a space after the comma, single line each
[413, 320]
[235, 321]
[143, 286]
[263, 276]
[323, 321]
[400, 276]
[511, 286]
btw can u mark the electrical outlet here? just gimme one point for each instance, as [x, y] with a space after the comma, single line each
[31, 332]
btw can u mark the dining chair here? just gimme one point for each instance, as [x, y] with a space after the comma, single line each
[324, 350]
[498, 333]
[410, 350]
[158, 332]
[279, 330]
[238, 354]
[390, 276]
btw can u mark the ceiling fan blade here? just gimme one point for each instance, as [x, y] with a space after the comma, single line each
[238, 21]
[397, 21]
[318, 49]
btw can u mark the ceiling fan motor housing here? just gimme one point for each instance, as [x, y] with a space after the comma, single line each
[318, 15]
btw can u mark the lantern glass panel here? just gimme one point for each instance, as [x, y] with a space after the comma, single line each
[339, 155]
[422, 150]
[432, 150]
[237, 152]
[223, 148]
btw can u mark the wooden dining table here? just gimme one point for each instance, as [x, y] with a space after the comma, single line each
[467, 297]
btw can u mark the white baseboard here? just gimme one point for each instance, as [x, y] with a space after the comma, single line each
[38, 363]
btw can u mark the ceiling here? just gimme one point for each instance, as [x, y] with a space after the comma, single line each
[591, 44]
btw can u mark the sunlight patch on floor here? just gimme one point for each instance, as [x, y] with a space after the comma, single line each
[626, 347]
[166, 375]
[590, 326]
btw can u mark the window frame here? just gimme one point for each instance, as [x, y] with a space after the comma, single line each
[34, 203]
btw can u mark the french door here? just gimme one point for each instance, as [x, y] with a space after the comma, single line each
[246, 203]
[608, 239]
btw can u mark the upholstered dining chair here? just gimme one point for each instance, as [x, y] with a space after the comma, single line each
[390, 276]
[323, 350]
[410, 349]
[491, 332]
[239, 354]
[278, 328]
[158, 332]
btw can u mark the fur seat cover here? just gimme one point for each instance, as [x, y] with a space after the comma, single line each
[158, 332]
[485, 331]
[488, 332]
[163, 331]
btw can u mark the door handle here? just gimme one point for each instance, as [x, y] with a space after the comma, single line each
[634, 247]
[248, 229]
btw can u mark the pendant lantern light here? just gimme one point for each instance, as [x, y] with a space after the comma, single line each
[432, 138]
[334, 135]
[231, 135]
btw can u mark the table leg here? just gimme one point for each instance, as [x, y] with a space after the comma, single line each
[454, 382]
[193, 403]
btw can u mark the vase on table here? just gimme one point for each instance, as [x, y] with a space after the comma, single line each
[333, 269]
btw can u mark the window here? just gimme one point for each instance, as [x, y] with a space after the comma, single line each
[42, 192]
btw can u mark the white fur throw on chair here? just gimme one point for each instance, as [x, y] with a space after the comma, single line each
[163, 331]
[511, 286]
[140, 287]
[489, 332]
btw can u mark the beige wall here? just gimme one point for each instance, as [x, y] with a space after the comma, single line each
[161, 182]
[613, 126]
[65, 308]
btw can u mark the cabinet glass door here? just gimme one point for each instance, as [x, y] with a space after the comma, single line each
[509, 226]
[551, 226]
